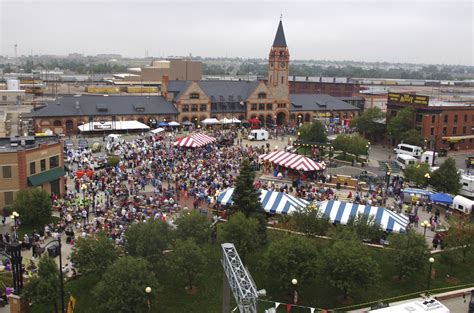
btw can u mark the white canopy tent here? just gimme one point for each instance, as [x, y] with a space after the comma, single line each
[210, 121]
[157, 130]
[173, 123]
[230, 121]
[118, 125]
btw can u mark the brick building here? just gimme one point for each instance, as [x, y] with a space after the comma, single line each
[444, 125]
[29, 162]
[333, 86]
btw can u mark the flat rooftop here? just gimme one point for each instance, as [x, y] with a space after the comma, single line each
[31, 142]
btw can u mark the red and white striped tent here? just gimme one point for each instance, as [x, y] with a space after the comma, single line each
[194, 141]
[293, 161]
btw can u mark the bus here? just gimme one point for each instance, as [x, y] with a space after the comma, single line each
[414, 151]
[404, 160]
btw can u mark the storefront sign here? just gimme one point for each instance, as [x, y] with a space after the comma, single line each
[405, 98]
[102, 126]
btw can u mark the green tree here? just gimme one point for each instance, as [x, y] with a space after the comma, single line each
[348, 265]
[460, 235]
[122, 286]
[447, 178]
[351, 144]
[417, 174]
[195, 226]
[313, 132]
[246, 197]
[409, 253]
[451, 258]
[33, 205]
[242, 231]
[368, 122]
[291, 257]
[311, 221]
[93, 254]
[188, 261]
[401, 123]
[366, 228]
[148, 240]
[43, 288]
[413, 137]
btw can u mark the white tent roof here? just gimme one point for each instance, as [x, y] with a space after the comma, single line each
[118, 125]
[210, 121]
[230, 121]
[173, 123]
[157, 130]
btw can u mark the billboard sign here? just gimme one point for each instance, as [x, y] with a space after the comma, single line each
[405, 98]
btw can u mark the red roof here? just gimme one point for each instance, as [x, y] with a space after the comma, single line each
[293, 161]
[194, 141]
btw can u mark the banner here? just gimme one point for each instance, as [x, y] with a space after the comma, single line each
[405, 98]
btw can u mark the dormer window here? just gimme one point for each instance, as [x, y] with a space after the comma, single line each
[221, 98]
[102, 107]
[262, 95]
[194, 95]
[231, 98]
[139, 108]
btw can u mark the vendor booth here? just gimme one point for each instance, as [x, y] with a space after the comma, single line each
[411, 195]
[112, 126]
[273, 202]
[292, 161]
[441, 198]
[340, 212]
[194, 141]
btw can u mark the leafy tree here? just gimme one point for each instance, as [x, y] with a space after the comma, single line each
[93, 254]
[365, 228]
[447, 178]
[291, 257]
[148, 240]
[187, 261]
[413, 137]
[401, 123]
[410, 253]
[311, 221]
[242, 231]
[122, 286]
[33, 205]
[195, 226]
[44, 287]
[366, 123]
[461, 235]
[351, 143]
[348, 265]
[313, 132]
[417, 174]
[113, 160]
[451, 258]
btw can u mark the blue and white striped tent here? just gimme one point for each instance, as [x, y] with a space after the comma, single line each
[341, 212]
[273, 202]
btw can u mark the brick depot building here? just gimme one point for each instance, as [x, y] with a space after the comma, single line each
[29, 162]
[448, 124]
[268, 100]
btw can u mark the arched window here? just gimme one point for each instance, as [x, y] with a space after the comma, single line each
[57, 123]
[307, 117]
[69, 125]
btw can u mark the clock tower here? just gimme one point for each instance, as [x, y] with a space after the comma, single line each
[278, 66]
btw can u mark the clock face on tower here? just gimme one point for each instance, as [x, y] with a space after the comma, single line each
[282, 64]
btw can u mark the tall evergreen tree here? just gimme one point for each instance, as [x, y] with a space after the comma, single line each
[246, 197]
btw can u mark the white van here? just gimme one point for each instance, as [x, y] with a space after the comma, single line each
[463, 204]
[427, 157]
[467, 185]
[258, 134]
[404, 160]
[414, 151]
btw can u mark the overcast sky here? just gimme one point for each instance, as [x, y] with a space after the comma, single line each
[420, 31]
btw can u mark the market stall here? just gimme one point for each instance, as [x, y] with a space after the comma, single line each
[292, 161]
[273, 202]
[194, 141]
[340, 212]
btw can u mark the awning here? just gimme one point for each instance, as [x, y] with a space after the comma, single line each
[441, 198]
[293, 161]
[118, 125]
[210, 121]
[45, 177]
[342, 212]
[230, 121]
[273, 202]
[457, 138]
[194, 141]
[157, 130]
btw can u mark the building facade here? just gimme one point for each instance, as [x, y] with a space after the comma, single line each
[443, 125]
[333, 86]
[29, 162]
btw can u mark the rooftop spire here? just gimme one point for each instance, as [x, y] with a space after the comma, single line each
[280, 40]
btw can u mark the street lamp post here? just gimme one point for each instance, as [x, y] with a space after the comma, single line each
[148, 294]
[431, 260]
[294, 296]
[425, 224]
[388, 179]
[14, 217]
[427, 176]
[58, 240]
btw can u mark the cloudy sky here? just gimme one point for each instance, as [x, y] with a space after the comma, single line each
[418, 31]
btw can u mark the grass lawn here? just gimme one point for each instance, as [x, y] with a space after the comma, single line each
[173, 297]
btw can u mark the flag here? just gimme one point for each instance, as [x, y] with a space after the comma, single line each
[277, 304]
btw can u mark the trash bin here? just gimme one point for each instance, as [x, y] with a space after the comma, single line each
[53, 251]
